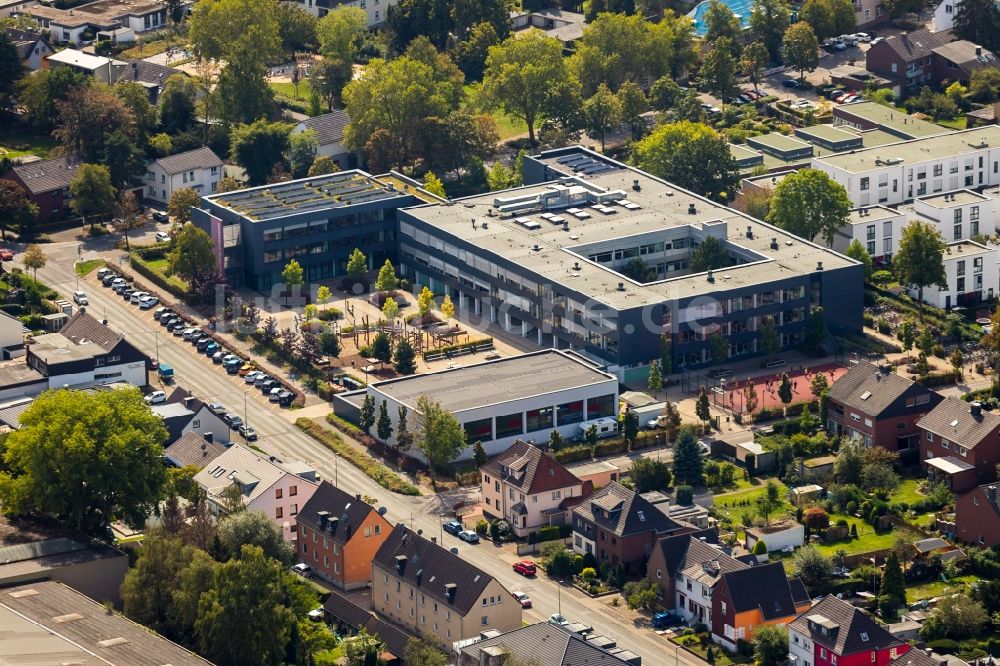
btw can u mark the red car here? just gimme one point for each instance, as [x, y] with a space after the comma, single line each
[6, 255]
[525, 568]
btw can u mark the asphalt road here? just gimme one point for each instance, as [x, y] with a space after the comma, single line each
[279, 437]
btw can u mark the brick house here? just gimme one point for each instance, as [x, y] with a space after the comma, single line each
[835, 633]
[749, 597]
[877, 407]
[960, 444]
[977, 516]
[339, 535]
[47, 185]
[617, 525]
[530, 489]
[906, 59]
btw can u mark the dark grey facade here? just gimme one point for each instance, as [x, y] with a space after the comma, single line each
[260, 243]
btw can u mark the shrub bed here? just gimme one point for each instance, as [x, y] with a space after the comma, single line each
[574, 453]
[346, 427]
[550, 533]
[170, 284]
[451, 349]
[938, 379]
[379, 473]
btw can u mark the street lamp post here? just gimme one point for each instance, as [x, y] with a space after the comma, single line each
[559, 597]
[246, 414]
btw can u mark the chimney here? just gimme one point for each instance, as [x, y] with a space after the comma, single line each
[774, 243]
[188, 400]
[332, 523]
[635, 183]
[976, 409]
[691, 209]
[400, 563]
[819, 265]
[621, 286]
[711, 278]
[324, 518]
[449, 592]
[576, 265]
[991, 494]
[357, 497]
[749, 231]
[208, 437]
[979, 51]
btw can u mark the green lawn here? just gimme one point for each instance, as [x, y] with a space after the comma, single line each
[907, 492]
[734, 504]
[868, 539]
[507, 126]
[288, 90]
[21, 143]
[85, 267]
[936, 588]
[958, 123]
[153, 46]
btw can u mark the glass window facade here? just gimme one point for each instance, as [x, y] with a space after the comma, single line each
[569, 413]
[480, 430]
[540, 419]
[601, 406]
[509, 425]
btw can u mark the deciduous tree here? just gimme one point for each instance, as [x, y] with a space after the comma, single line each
[769, 19]
[650, 474]
[709, 255]
[809, 203]
[247, 593]
[800, 48]
[253, 528]
[302, 152]
[693, 156]
[87, 117]
[603, 112]
[754, 60]
[127, 215]
[858, 252]
[440, 437]
[770, 645]
[524, 76]
[177, 103]
[181, 202]
[191, 253]
[86, 459]
[17, 212]
[92, 190]
[718, 69]
[919, 262]
[258, 147]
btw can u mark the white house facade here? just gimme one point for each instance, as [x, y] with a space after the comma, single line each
[199, 170]
[972, 275]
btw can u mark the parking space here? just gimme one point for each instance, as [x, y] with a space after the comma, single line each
[197, 343]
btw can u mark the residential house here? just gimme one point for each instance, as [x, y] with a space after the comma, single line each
[37, 548]
[85, 351]
[182, 413]
[543, 643]
[262, 483]
[376, 11]
[339, 535]
[617, 526]
[877, 407]
[12, 332]
[776, 536]
[559, 24]
[149, 75]
[971, 276]
[956, 61]
[747, 598]
[907, 59]
[977, 516]
[199, 169]
[687, 568]
[431, 591]
[329, 130]
[193, 450]
[835, 633]
[348, 617]
[960, 444]
[868, 12]
[31, 46]
[46, 622]
[47, 185]
[71, 24]
[529, 488]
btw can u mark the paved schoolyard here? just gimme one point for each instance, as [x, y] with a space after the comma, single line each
[731, 394]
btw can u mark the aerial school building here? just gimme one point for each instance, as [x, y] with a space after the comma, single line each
[548, 261]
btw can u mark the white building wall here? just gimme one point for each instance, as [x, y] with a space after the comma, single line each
[892, 184]
[983, 278]
[693, 605]
[793, 536]
[38, 54]
[958, 222]
[800, 648]
[160, 186]
[500, 503]
[944, 15]
[495, 446]
[879, 236]
[133, 373]
[375, 9]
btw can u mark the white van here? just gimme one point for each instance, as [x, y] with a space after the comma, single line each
[606, 427]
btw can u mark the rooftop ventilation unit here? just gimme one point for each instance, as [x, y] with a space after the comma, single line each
[774, 243]
[621, 286]
[691, 209]
[819, 265]
[635, 185]
[749, 232]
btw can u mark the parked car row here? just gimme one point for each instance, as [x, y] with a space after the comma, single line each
[845, 41]
[123, 288]
[845, 96]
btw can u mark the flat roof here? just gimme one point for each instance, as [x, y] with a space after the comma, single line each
[964, 247]
[949, 464]
[269, 202]
[953, 144]
[79, 59]
[827, 133]
[886, 116]
[656, 210]
[869, 214]
[499, 381]
[47, 623]
[952, 199]
[779, 141]
[742, 152]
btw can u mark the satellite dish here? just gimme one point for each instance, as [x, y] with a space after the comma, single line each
[382, 510]
[420, 532]
[454, 551]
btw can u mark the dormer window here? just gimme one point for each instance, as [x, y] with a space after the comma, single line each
[864, 635]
